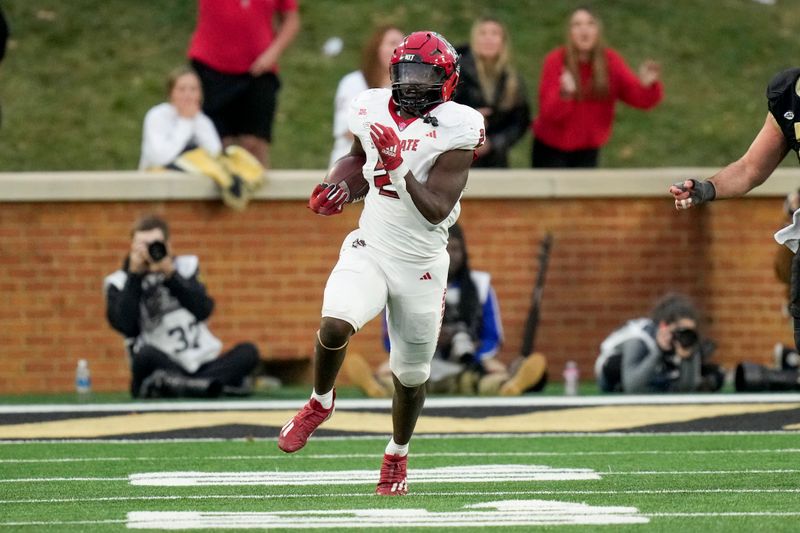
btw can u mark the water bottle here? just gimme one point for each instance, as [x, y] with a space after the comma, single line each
[571, 378]
[83, 378]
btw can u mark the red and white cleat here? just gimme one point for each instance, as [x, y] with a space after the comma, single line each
[295, 433]
[393, 476]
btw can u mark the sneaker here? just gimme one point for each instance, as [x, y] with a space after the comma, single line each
[528, 375]
[295, 433]
[393, 476]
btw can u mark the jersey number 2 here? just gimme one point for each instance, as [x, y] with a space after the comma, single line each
[381, 178]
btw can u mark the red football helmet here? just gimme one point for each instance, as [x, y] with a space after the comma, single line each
[424, 72]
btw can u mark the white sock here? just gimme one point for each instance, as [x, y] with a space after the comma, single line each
[326, 400]
[396, 449]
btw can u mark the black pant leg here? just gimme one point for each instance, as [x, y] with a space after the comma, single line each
[232, 367]
[582, 158]
[147, 360]
[545, 156]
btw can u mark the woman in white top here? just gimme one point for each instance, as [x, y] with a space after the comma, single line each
[374, 72]
[173, 127]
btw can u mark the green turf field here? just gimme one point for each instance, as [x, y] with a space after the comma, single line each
[675, 482]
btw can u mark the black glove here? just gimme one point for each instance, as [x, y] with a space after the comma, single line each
[701, 191]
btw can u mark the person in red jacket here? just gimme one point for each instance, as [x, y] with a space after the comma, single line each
[235, 50]
[579, 87]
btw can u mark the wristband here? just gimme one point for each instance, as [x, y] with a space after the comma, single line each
[398, 174]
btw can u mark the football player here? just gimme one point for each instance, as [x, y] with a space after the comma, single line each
[419, 146]
[777, 137]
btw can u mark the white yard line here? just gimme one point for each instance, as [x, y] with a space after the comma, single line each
[377, 524]
[415, 455]
[431, 403]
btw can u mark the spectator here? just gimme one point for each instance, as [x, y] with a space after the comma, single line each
[177, 134]
[160, 306]
[662, 353]
[235, 50]
[465, 359]
[580, 84]
[374, 72]
[490, 84]
[178, 125]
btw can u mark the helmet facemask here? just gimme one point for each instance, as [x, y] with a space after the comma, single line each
[417, 87]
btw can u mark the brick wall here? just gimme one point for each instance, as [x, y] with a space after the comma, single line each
[266, 269]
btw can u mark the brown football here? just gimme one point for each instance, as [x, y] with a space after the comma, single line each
[347, 173]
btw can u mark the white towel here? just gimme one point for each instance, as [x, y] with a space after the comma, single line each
[790, 235]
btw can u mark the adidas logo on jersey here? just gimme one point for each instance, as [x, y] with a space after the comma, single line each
[427, 275]
[431, 134]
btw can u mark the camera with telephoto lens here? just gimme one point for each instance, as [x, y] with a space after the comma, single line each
[685, 337]
[157, 251]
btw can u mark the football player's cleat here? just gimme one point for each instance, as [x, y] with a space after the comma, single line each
[295, 433]
[393, 476]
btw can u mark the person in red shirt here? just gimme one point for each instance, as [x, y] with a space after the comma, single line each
[579, 87]
[235, 50]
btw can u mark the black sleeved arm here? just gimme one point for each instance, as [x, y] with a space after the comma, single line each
[122, 306]
[639, 366]
[515, 124]
[191, 294]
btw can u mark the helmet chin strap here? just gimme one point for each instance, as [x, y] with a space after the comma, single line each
[426, 117]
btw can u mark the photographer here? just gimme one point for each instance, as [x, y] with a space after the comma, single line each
[158, 303]
[663, 353]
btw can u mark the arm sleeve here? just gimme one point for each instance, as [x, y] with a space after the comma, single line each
[206, 135]
[491, 336]
[630, 88]
[191, 294]
[639, 366]
[163, 138]
[519, 118]
[552, 107]
[122, 306]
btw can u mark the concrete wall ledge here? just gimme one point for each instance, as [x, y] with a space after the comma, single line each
[296, 184]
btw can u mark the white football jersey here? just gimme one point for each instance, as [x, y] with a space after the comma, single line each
[386, 223]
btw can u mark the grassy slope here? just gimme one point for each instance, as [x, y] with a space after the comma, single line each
[717, 453]
[80, 74]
